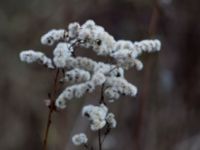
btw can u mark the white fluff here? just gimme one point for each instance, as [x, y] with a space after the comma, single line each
[109, 70]
[86, 63]
[99, 117]
[138, 47]
[92, 66]
[110, 118]
[111, 93]
[95, 37]
[61, 53]
[31, 56]
[86, 74]
[126, 52]
[96, 115]
[90, 24]
[98, 79]
[146, 46]
[126, 59]
[52, 36]
[123, 44]
[77, 75]
[73, 29]
[118, 86]
[79, 139]
[74, 91]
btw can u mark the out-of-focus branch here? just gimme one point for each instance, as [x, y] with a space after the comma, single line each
[146, 79]
[154, 19]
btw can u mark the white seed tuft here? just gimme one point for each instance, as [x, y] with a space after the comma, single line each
[53, 36]
[96, 116]
[31, 56]
[79, 139]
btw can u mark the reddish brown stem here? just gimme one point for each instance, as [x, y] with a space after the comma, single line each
[51, 110]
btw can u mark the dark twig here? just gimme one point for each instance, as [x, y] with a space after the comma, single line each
[108, 129]
[86, 146]
[154, 19]
[99, 139]
[102, 95]
[101, 101]
[51, 110]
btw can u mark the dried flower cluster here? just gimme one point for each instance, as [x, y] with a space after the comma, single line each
[85, 74]
[99, 116]
[79, 139]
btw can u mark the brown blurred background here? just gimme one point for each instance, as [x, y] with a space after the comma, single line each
[165, 115]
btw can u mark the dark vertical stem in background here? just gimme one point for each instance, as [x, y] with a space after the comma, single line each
[146, 79]
[153, 20]
[51, 109]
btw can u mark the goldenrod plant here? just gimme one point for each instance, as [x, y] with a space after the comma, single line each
[85, 74]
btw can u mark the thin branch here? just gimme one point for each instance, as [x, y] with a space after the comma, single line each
[102, 95]
[105, 135]
[115, 67]
[101, 101]
[108, 129]
[51, 110]
[154, 19]
[99, 139]
[86, 146]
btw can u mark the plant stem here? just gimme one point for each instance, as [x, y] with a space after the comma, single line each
[104, 138]
[86, 146]
[101, 101]
[99, 138]
[51, 110]
[102, 95]
[108, 129]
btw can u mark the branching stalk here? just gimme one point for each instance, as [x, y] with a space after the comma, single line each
[51, 109]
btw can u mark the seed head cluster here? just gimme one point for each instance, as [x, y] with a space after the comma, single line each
[84, 74]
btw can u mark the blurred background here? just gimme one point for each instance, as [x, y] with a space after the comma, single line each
[165, 115]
